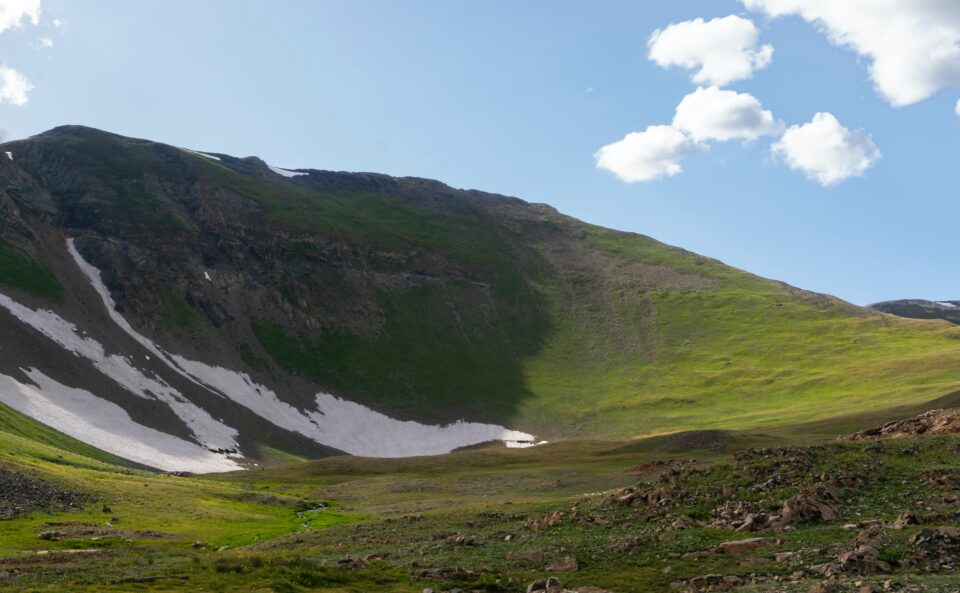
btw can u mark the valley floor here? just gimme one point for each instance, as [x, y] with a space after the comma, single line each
[705, 511]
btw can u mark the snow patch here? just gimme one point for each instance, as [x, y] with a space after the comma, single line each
[207, 431]
[106, 426]
[344, 425]
[348, 426]
[286, 172]
[358, 430]
[9, 155]
[524, 444]
[198, 153]
[946, 304]
[206, 275]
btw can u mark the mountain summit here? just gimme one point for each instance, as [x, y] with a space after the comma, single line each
[198, 311]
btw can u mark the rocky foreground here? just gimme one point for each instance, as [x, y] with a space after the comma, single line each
[858, 515]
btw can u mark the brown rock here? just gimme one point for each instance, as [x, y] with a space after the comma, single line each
[565, 564]
[743, 546]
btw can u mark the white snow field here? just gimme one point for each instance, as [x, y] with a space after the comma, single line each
[286, 172]
[106, 426]
[209, 432]
[347, 426]
[198, 153]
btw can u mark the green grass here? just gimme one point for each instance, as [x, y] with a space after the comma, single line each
[179, 315]
[747, 353]
[22, 272]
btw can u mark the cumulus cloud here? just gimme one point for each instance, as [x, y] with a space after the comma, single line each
[714, 114]
[722, 50]
[913, 46]
[43, 43]
[643, 156]
[14, 12]
[957, 108]
[14, 87]
[703, 115]
[825, 151]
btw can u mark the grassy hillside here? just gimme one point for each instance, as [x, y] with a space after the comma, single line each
[744, 353]
[436, 304]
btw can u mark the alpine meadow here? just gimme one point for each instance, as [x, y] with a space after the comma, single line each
[218, 373]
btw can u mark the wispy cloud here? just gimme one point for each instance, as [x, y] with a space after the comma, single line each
[14, 86]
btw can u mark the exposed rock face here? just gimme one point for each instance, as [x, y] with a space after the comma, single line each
[932, 423]
[920, 309]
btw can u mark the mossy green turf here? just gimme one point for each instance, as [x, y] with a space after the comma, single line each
[17, 270]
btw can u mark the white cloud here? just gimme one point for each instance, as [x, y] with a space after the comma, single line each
[43, 43]
[825, 151]
[703, 115]
[58, 23]
[722, 49]
[643, 156]
[14, 12]
[14, 87]
[913, 45]
[714, 114]
[957, 108]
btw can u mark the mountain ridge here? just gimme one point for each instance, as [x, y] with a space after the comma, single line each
[921, 309]
[418, 301]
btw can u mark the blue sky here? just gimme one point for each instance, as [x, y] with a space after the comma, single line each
[516, 98]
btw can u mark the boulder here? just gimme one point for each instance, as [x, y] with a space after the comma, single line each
[742, 546]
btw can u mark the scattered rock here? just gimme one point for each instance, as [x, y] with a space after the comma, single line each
[20, 494]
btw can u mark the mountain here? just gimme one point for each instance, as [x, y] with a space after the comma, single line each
[202, 312]
[920, 309]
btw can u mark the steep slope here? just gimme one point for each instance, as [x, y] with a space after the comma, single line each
[921, 309]
[302, 312]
